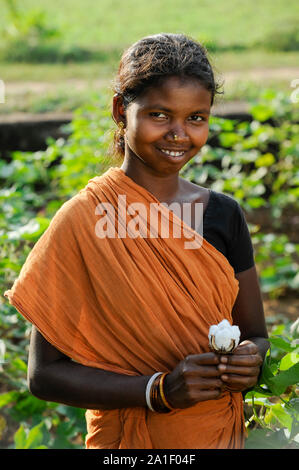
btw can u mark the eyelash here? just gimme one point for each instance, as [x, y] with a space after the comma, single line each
[156, 114]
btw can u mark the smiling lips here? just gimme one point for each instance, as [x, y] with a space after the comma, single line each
[173, 153]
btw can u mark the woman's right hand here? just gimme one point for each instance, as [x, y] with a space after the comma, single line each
[194, 379]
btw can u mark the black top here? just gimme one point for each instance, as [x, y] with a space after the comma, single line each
[225, 227]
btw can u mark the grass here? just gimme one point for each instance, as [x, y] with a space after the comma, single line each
[109, 26]
[118, 23]
[224, 61]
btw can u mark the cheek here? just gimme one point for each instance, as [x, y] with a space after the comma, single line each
[202, 137]
[141, 133]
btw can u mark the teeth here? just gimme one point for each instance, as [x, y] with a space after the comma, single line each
[172, 153]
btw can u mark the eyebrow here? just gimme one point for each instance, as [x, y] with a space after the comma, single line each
[167, 110]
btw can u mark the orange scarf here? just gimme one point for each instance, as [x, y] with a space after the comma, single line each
[132, 306]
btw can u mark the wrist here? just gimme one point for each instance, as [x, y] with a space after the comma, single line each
[167, 391]
[155, 393]
[262, 344]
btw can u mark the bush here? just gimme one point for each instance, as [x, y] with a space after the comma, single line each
[273, 404]
[285, 38]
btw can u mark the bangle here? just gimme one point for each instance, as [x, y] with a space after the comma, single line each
[155, 397]
[162, 392]
[148, 390]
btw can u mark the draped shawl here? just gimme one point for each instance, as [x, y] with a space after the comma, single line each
[132, 305]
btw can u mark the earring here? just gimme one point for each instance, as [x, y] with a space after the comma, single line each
[175, 137]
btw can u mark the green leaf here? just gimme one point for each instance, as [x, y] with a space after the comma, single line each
[266, 374]
[281, 343]
[284, 379]
[8, 397]
[20, 438]
[283, 417]
[258, 392]
[35, 437]
[261, 112]
[19, 364]
[289, 360]
[266, 439]
[265, 160]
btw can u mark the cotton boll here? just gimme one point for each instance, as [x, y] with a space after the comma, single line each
[224, 338]
[212, 330]
[235, 332]
[223, 324]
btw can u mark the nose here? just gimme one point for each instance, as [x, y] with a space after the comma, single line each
[177, 134]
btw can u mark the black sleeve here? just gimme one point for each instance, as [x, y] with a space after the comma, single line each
[240, 253]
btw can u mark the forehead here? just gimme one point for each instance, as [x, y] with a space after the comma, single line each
[176, 92]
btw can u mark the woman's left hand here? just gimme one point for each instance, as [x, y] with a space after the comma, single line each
[241, 369]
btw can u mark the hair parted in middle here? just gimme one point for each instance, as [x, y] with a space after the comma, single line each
[155, 58]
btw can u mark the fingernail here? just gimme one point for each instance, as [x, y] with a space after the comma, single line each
[221, 367]
[224, 359]
[224, 377]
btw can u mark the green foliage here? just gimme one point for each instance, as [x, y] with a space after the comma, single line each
[28, 37]
[27, 34]
[86, 152]
[273, 404]
[43, 424]
[278, 261]
[64, 32]
[29, 439]
[285, 38]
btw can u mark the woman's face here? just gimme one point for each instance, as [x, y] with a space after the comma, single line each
[178, 108]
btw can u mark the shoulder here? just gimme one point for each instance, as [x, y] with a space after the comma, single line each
[223, 208]
[225, 201]
[191, 192]
[76, 214]
[72, 207]
[226, 212]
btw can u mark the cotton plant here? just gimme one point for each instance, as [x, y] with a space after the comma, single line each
[224, 337]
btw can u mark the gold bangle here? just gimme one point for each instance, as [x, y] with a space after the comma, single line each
[162, 391]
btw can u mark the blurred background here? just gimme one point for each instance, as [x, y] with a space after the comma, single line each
[57, 63]
[53, 54]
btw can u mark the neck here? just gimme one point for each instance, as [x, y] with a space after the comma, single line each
[164, 187]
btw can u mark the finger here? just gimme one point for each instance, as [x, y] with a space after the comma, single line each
[207, 383]
[209, 394]
[193, 373]
[244, 381]
[209, 358]
[207, 371]
[243, 360]
[229, 369]
[246, 347]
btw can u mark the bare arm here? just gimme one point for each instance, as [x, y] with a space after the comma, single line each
[248, 311]
[55, 377]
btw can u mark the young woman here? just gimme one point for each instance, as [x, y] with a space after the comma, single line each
[115, 303]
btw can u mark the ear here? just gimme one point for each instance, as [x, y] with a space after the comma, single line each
[118, 109]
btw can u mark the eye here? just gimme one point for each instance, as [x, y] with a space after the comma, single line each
[196, 118]
[158, 115]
